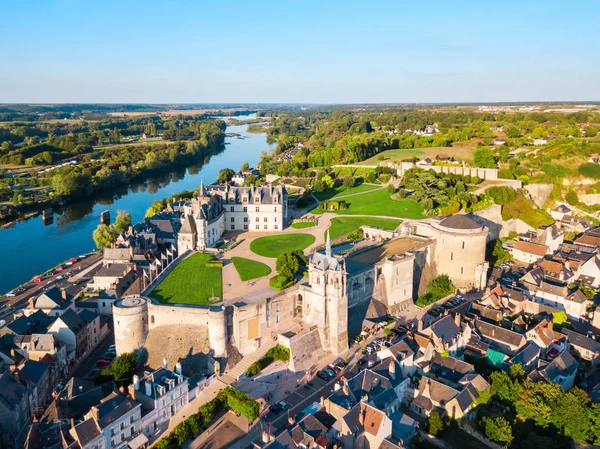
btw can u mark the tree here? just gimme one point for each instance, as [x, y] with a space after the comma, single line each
[300, 257]
[441, 286]
[287, 265]
[105, 235]
[114, 136]
[348, 181]
[122, 221]
[225, 175]
[154, 209]
[497, 429]
[427, 203]
[318, 186]
[391, 189]
[245, 166]
[435, 425]
[591, 132]
[484, 158]
[504, 388]
[517, 373]
[513, 132]
[328, 182]
[572, 198]
[251, 180]
[123, 367]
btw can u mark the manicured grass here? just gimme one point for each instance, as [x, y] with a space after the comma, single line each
[378, 202]
[304, 224]
[191, 282]
[340, 190]
[250, 269]
[463, 152]
[343, 225]
[274, 245]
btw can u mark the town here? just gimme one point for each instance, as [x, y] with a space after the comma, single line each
[254, 312]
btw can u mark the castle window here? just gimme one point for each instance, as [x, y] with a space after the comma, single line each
[245, 219]
[257, 226]
[276, 226]
[233, 227]
[451, 256]
[275, 209]
[266, 219]
[257, 219]
[231, 208]
[266, 226]
[245, 208]
[257, 200]
[275, 220]
[463, 245]
[233, 219]
[257, 209]
[245, 227]
[461, 270]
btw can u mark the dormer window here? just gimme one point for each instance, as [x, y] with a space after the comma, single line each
[244, 199]
[257, 199]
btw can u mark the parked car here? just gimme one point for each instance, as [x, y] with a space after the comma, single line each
[333, 368]
[102, 363]
[329, 372]
[110, 356]
[112, 348]
[37, 280]
[93, 372]
[362, 361]
[275, 409]
[323, 375]
[73, 260]
[58, 269]
[283, 405]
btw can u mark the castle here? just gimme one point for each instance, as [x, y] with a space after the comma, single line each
[220, 208]
[335, 296]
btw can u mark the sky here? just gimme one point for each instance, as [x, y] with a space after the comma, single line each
[324, 52]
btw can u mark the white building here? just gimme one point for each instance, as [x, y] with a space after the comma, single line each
[162, 393]
[528, 252]
[220, 208]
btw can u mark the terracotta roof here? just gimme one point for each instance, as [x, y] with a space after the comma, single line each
[421, 340]
[531, 248]
[551, 267]
[588, 240]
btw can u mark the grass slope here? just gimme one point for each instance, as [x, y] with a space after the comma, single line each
[250, 269]
[274, 245]
[340, 190]
[342, 225]
[379, 202]
[458, 152]
[191, 282]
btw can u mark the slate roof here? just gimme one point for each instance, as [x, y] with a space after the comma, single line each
[445, 329]
[497, 333]
[88, 316]
[72, 321]
[34, 371]
[461, 222]
[113, 270]
[527, 355]
[563, 365]
[11, 391]
[581, 341]
[35, 322]
[450, 368]
[113, 407]
[437, 392]
[86, 431]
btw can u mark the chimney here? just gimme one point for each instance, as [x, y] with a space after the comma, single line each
[291, 421]
[148, 388]
[488, 292]
[136, 382]
[132, 390]
[322, 400]
[178, 368]
[31, 303]
[94, 413]
[419, 325]
[361, 415]
[392, 369]
[446, 312]
[345, 388]
[165, 364]
[457, 318]
[63, 294]
[266, 437]
[72, 423]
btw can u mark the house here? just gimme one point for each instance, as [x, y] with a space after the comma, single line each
[53, 302]
[37, 322]
[308, 432]
[110, 274]
[589, 272]
[527, 357]
[437, 396]
[113, 423]
[238, 179]
[528, 252]
[499, 142]
[542, 334]
[162, 394]
[363, 426]
[559, 296]
[584, 348]
[15, 410]
[560, 211]
[540, 141]
[504, 340]
[556, 271]
[442, 157]
[449, 370]
[447, 334]
[561, 370]
[37, 376]
[575, 224]
[38, 346]
[74, 332]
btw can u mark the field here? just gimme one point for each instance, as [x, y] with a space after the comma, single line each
[191, 282]
[458, 152]
[303, 224]
[378, 203]
[274, 245]
[343, 225]
[250, 269]
[340, 190]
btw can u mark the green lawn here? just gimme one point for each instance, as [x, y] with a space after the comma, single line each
[274, 245]
[464, 152]
[379, 202]
[250, 269]
[304, 224]
[191, 282]
[340, 190]
[343, 225]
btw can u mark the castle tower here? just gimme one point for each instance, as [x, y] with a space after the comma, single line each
[130, 319]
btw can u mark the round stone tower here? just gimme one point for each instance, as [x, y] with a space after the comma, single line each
[460, 250]
[216, 330]
[130, 318]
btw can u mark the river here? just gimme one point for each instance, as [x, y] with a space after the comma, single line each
[29, 247]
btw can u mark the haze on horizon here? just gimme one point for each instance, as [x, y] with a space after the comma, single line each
[309, 52]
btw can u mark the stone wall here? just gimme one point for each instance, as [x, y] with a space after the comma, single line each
[539, 193]
[490, 174]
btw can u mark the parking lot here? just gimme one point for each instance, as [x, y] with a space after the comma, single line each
[439, 309]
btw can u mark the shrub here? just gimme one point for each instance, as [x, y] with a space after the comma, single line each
[590, 170]
[280, 282]
[239, 402]
[572, 198]
[348, 181]
[391, 189]
[497, 429]
[276, 353]
[435, 425]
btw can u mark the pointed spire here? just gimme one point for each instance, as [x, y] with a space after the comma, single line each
[328, 245]
[201, 187]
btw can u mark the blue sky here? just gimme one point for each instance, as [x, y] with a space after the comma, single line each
[303, 52]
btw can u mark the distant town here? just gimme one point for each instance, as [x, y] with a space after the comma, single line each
[385, 277]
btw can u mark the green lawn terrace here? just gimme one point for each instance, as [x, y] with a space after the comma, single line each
[274, 245]
[344, 225]
[193, 281]
[378, 203]
[249, 269]
[341, 190]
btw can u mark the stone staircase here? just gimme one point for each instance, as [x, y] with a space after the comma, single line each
[240, 369]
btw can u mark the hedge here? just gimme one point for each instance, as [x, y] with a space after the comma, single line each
[228, 398]
[280, 282]
[276, 353]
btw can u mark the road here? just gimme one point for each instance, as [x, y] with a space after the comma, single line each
[90, 362]
[73, 278]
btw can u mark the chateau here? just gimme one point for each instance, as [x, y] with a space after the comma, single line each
[219, 208]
